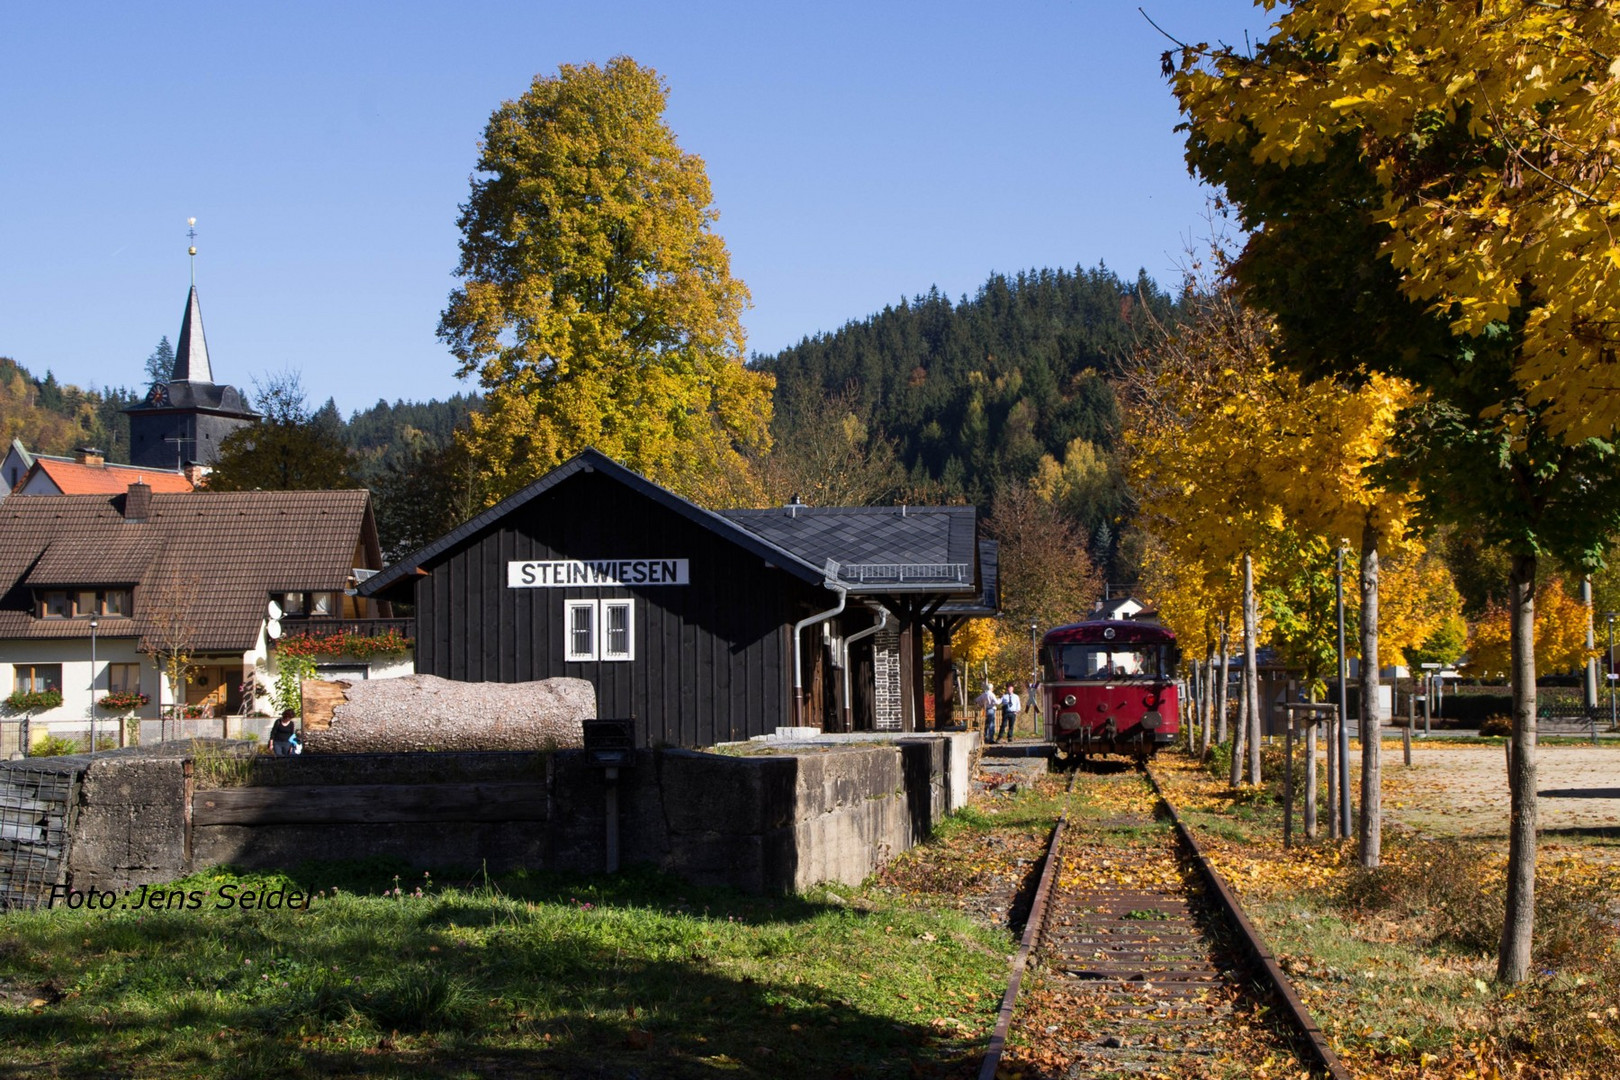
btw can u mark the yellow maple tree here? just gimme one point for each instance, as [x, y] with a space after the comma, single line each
[1560, 634]
[1492, 129]
[597, 306]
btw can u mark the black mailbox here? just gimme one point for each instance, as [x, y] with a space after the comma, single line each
[610, 744]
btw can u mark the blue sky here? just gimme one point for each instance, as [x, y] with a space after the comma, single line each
[858, 153]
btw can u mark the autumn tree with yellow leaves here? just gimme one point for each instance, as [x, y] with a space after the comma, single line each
[597, 306]
[1561, 622]
[1427, 187]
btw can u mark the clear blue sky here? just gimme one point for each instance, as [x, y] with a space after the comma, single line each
[858, 153]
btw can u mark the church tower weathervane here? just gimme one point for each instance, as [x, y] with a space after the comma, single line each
[191, 234]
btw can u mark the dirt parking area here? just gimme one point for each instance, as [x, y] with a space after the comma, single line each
[1462, 790]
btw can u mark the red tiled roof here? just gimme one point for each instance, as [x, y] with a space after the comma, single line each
[234, 548]
[76, 479]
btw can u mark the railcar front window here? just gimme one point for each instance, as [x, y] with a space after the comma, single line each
[1071, 662]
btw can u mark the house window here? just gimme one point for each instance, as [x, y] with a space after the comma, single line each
[579, 618]
[124, 678]
[83, 603]
[618, 630]
[38, 678]
[599, 630]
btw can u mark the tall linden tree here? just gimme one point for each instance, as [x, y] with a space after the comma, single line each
[597, 306]
[1429, 191]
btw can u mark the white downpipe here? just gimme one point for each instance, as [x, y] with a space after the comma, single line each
[883, 620]
[798, 653]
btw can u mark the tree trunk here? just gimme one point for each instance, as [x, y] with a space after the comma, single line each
[1589, 685]
[1513, 960]
[1372, 810]
[1220, 687]
[1193, 707]
[1209, 708]
[1251, 672]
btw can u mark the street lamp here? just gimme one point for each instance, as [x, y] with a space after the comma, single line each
[1034, 655]
[93, 625]
[1344, 710]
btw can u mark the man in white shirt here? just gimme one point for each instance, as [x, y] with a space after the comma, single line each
[1010, 706]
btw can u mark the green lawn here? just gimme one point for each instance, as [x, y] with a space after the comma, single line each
[526, 975]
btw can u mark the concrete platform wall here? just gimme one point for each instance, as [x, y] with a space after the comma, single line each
[774, 822]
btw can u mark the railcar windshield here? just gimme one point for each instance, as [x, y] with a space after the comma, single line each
[1108, 661]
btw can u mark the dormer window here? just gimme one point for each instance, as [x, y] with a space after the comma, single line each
[314, 604]
[83, 603]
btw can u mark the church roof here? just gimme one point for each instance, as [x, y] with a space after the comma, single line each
[191, 386]
[191, 355]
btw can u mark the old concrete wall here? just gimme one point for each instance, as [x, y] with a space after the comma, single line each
[131, 822]
[771, 822]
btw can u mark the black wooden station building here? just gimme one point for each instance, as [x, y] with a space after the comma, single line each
[690, 620]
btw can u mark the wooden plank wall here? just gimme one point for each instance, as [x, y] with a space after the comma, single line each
[710, 663]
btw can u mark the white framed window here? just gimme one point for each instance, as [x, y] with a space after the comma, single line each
[599, 630]
[618, 629]
[579, 630]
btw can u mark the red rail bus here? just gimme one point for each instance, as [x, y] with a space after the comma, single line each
[1109, 688]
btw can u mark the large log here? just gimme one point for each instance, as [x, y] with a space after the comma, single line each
[424, 712]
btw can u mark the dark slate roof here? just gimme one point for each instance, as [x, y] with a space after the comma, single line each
[191, 354]
[879, 549]
[191, 385]
[988, 602]
[195, 396]
[238, 546]
[585, 462]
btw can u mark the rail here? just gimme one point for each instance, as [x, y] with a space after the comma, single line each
[1033, 927]
[1315, 1042]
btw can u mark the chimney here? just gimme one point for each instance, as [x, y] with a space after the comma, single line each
[89, 455]
[138, 503]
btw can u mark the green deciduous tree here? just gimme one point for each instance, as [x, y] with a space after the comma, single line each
[288, 448]
[597, 306]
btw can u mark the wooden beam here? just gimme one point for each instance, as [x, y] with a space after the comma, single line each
[350, 804]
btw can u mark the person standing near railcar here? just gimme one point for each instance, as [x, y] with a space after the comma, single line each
[986, 703]
[1010, 708]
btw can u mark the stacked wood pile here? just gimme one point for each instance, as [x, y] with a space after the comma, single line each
[424, 712]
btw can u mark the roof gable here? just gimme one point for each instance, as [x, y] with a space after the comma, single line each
[587, 461]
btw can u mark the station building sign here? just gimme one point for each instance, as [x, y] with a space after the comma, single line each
[594, 573]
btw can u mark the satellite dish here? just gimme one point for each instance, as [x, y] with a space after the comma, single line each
[273, 628]
[274, 610]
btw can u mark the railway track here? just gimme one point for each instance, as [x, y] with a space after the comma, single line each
[1143, 963]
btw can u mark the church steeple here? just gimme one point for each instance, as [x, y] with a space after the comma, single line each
[186, 418]
[191, 354]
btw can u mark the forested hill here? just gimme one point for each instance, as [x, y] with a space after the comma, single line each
[975, 392]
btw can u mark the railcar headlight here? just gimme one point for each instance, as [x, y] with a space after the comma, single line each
[1068, 721]
[1068, 699]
